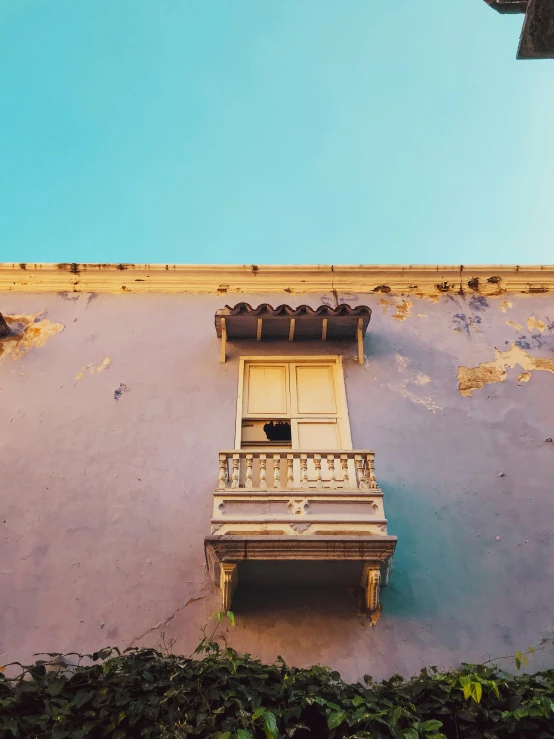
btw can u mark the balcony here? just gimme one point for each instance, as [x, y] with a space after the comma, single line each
[275, 509]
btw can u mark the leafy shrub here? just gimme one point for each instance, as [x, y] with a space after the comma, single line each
[143, 693]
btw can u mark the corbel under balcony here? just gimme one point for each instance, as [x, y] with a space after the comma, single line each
[299, 517]
[283, 323]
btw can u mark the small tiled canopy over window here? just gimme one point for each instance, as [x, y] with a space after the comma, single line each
[293, 324]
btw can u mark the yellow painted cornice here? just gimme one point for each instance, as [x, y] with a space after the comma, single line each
[219, 279]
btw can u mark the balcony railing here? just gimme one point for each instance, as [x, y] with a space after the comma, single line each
[289, 469]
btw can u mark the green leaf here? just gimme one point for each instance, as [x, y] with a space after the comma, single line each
[410, 734]
[357, 701]
[257, 713]
[231, 617]
[335, 719]
[82, 697]
[56, 686]
[519, 659]
[270, 725]
[476, 692]
[244, 734]
[396, 715]
[432, 725]
[467, 691]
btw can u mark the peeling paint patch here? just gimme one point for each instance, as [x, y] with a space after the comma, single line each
[120, 390]
[517, 326]
[533, 323]
[419, 379]
[403, 308]
[402, 362]
[505, 305]
[474, 378]
[403, 390]
[91, 368]
[524, 377]
[27, 332]
[432, 297]
[422, 315]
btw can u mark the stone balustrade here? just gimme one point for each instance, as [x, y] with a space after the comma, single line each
[263, 469]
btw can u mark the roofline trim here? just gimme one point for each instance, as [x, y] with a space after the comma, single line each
[423, 280]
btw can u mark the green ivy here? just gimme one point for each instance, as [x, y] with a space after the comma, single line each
[220, 694]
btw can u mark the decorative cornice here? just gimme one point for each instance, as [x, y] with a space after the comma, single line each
[423, 280]
[326, 548]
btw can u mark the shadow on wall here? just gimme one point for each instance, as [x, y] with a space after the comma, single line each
[437, 568]
[335, 602]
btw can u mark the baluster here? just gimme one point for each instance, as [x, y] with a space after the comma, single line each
[344, 465]
[359, 462]
[290, 473]
[331, 466]
[276, 470]
[248, 478]
[371, 471]
[263, 471]
[223, 472]
[317, 464]
[304, 470]
[235, 477]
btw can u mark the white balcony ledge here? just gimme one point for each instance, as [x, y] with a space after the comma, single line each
[291, 516]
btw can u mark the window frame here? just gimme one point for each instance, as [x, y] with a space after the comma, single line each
[335, 360]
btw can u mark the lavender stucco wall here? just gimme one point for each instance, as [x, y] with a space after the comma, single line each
[105, 502]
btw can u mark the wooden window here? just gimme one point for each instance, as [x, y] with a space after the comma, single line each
[303, 394]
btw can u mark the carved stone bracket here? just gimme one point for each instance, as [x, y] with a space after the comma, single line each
[371, 585]
[228, 579]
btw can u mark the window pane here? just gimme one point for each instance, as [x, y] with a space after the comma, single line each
[315, 389]
[267, 389]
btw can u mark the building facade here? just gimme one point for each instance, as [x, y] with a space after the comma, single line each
[374, 495]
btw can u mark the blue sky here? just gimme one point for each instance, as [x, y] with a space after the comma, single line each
[272, 131]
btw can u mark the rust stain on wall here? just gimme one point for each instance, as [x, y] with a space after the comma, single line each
[474, 378]
[403, 308]
[534, 324]
[517, 326]
[504, 305]
[91, 368]
[27, 332]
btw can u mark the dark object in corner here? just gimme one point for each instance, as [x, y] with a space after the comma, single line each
[279, 431]
[508, 6]
[4, 328]
[537, 36]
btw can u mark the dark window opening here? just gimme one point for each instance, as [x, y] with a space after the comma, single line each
[279, 431]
